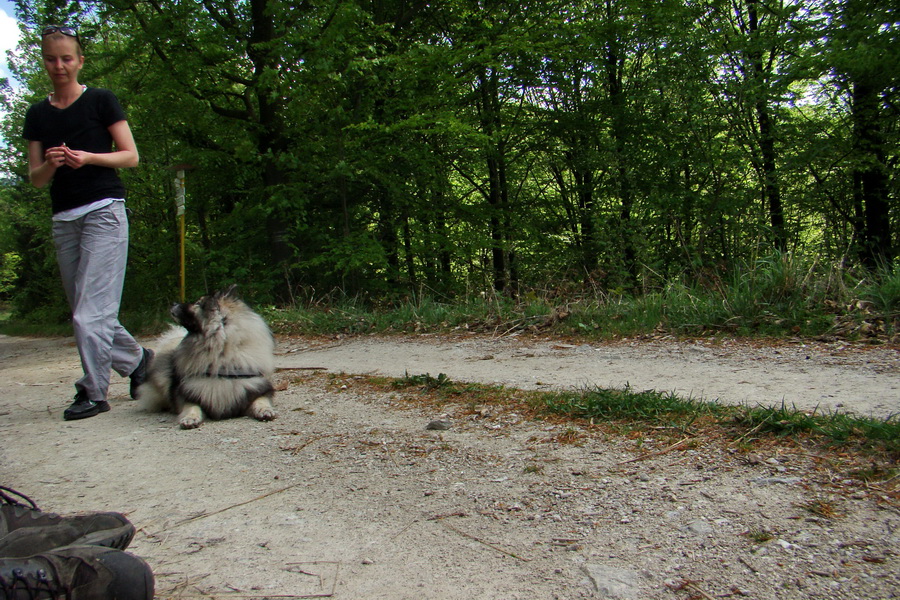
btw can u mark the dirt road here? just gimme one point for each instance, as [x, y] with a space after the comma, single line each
[349, 495]
[833, 377]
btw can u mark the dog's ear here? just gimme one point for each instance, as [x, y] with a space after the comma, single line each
[229, 292]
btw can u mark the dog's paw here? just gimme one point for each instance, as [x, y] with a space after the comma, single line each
[262, 410]
[266, 415]
[191, 417]
[190, 423]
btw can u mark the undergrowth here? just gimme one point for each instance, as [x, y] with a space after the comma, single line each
[775, 296]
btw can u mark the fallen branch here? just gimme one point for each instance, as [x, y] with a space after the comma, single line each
[480, 541]
[215, 595]
[227, 508]
[390, 455]
[654, 454]
[688, 584]
[749, 433]
[747, 564]
[693, 586]
[238, 594]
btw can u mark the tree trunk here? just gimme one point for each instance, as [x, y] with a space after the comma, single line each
[771, 189]
[584, 180]
[871, 177]
[270, 142]
[498, 193]
[619, 132]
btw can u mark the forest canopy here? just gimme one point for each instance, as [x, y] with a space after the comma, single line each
[394, 148]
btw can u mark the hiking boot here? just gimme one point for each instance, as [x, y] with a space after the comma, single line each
[76, 573]
[139, 375]
[26, 530]
[83, 407]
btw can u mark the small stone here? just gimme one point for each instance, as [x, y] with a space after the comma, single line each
[612, 582]
[699, 527]
[785, 545]
[438, 425]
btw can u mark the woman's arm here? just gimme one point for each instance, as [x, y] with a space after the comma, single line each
[42, 165]
[124, 156]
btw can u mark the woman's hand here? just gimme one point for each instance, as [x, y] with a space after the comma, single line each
[75, 158]
[63, 155]
[42, 164]
[56, 157]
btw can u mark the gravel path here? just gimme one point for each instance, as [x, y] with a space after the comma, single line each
[350, 495]
[828, 376]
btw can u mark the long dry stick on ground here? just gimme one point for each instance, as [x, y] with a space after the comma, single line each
[694, 587]
[239, 504]
[229, 595]
[653, 454]
[480, 541]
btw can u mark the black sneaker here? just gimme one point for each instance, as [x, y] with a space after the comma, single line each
[139, 375]
[26, 530]
[76, 573]
[83, 407]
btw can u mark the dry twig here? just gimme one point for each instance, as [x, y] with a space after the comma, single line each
[480, 541]
[227, 508]
[654, 454]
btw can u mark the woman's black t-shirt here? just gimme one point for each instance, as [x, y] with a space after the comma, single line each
[83, 125]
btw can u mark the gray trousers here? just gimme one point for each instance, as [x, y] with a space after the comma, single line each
[92, 251]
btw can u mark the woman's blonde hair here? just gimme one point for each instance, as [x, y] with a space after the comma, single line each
[59, 35]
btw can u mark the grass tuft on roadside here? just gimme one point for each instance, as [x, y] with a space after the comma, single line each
[620, 410]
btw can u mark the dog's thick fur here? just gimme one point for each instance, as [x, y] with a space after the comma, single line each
[218, 364]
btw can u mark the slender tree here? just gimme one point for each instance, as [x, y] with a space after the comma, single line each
[862, 46]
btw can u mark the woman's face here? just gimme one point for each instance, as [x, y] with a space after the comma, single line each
[62, 59]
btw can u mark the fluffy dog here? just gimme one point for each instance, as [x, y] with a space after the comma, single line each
[217, 364]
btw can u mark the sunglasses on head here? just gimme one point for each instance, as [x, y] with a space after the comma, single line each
[69, 31]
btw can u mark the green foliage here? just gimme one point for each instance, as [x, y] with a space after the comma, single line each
[884, 292]
[9, 267]
[620, 157]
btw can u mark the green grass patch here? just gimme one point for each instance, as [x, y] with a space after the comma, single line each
[835, 428]
[425, 381]
[652, 407]
[635, 411]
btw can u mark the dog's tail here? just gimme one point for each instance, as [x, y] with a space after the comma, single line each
[154, 395]
[152, 399]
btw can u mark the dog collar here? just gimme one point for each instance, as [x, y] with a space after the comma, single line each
[226, 374]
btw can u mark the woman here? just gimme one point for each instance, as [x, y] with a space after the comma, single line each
[77, 138]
